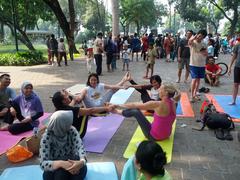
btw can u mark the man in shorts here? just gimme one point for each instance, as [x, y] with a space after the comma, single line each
[184, 56]
[198, 54]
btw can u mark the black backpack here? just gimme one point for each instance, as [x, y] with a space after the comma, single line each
[220, 122]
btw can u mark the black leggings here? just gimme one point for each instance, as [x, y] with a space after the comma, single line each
[144, 94]
[144, 124]
[18, 128]
[62, 174]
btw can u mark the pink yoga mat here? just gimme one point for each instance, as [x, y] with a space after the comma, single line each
[8, 140]
[100, 131]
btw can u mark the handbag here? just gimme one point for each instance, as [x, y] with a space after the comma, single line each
[33, 142]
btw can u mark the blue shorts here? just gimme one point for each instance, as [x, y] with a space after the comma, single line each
[197, 72]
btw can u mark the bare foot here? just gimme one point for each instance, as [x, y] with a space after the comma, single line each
[4, 128]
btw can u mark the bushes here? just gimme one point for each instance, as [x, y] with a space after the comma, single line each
[24, 58]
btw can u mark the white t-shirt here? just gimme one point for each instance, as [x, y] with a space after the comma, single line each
[94, 96]
[126, 53]
[154, 94]
[196, 57]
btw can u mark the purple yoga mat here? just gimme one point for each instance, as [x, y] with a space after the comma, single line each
[8, 140]
[100, 131]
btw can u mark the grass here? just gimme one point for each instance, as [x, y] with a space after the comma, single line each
[41, 47]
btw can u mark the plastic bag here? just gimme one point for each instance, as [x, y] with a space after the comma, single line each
[18, 153]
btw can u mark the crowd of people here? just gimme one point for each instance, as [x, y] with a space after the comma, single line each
[62, 154]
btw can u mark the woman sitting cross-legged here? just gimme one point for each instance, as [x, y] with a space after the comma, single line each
[62, 101]
[96, 94]
[27, 108]
[164, 113]
[62, 155]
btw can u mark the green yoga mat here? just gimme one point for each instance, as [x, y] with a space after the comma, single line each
[167, 145]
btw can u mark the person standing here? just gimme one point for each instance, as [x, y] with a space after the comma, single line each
[167, 47]
[49, 50]
[184, 56]
[236, 75]
[6, 95]
[62, 52]
[53, 48]
[109, 49]
[198, 54]
[97, 51]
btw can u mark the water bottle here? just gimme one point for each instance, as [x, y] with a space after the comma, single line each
[35, 131]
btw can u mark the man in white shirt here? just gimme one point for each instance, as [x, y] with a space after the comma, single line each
[198, 54]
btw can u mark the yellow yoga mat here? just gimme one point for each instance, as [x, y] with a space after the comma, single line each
[167, 145]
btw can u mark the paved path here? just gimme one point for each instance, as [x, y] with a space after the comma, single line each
[196, 155]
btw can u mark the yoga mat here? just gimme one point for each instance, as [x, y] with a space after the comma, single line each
[184, 108]
[221, 104]
[8, 140]
[120, 97]
[167, 145]
[100, 131]
[96, 170]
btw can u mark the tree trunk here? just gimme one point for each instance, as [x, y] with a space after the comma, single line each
[138, 27]
[62, 20]
[115, 18]
[72, 28]
[25, 40]
[234, 20]
[1, 32]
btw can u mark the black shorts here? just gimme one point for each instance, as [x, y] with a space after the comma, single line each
[236, 75]
[109, 58]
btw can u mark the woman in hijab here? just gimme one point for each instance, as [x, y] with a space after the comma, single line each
[62, 155]
[27, 108]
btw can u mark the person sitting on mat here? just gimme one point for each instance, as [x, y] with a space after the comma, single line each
[96, 94]
[212, 72]
[62, 155]
[164, 113]
[7, 94]
[62, 101]
[148, 163]
[153, 87]
[27, 108]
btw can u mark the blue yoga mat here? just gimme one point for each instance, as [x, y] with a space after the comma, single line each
[223, 100]
[179, 109]
[121, 96]
[96, 170]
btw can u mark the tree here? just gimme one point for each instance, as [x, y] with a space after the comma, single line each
[142, 13]
[227, 5]
[67, 27]
[115, 17]
[95, 18]
[26, 15]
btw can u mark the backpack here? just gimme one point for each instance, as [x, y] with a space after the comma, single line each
[220, 122]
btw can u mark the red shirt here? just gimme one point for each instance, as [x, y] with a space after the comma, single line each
[212, 68]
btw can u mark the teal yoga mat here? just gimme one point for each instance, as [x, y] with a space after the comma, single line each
[96, 170]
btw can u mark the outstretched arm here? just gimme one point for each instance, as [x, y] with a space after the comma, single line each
[81, 96]
[150, 105]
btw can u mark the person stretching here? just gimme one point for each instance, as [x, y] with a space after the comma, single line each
[164, 113]
[96, 94]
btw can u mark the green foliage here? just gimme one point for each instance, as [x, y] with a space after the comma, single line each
[141, 12]
[25, 58]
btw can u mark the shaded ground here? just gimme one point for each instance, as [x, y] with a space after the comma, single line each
[196, 155]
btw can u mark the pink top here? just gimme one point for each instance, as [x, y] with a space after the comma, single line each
[161, 127]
